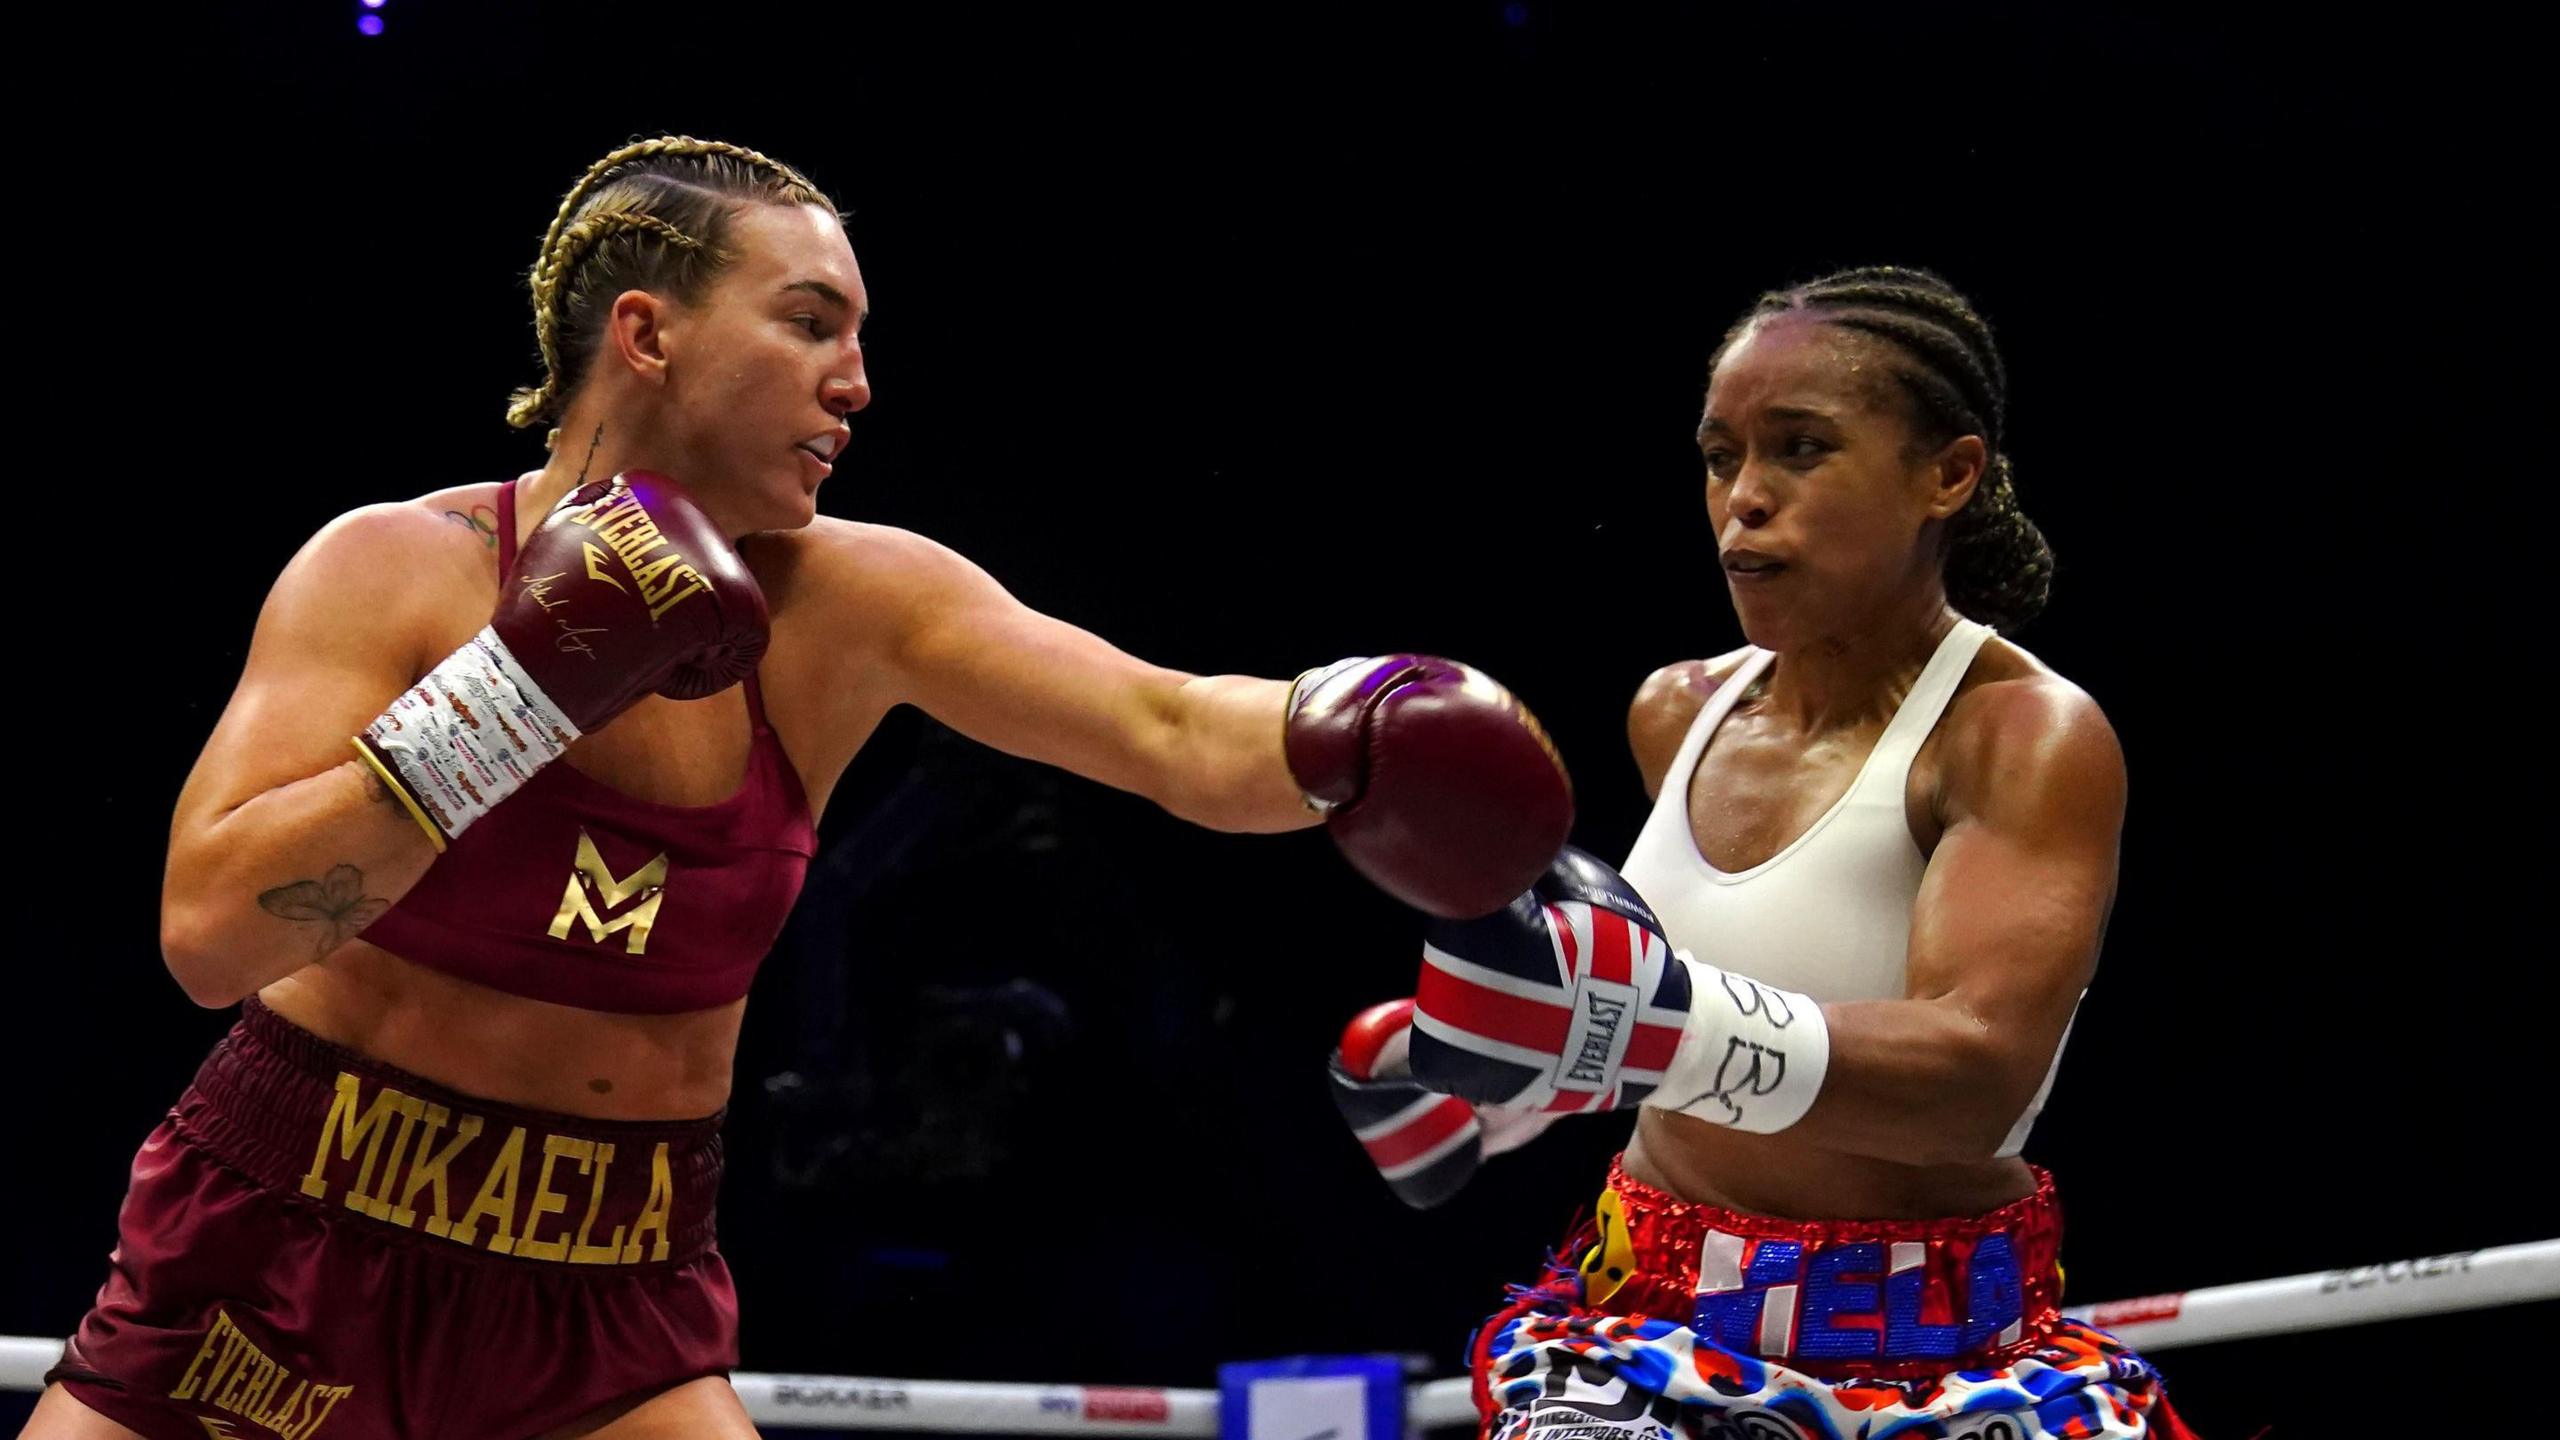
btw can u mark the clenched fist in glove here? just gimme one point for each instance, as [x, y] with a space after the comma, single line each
[1437, 784]
[625, 588]
[1426, 1144]
[1571, 998]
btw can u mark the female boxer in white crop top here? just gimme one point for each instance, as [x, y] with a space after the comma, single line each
[1879, 802]
[1882, 853]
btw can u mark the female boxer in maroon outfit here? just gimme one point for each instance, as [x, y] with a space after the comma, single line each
[453, 1172]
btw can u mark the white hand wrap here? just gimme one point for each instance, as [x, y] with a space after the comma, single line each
[466, 736]
[1751, 1056]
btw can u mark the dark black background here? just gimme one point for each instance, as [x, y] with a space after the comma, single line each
[1253, 336]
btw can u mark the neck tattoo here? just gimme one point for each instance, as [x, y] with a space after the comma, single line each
[594, 441]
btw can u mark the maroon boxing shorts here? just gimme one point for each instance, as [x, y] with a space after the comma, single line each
[317, 1244]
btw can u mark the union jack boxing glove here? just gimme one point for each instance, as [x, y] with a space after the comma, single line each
[1571, 999]
[1426, 1144]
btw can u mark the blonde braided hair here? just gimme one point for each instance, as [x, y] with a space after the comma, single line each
[653, 215]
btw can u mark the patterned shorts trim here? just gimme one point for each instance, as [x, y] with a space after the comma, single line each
[1552, 1374]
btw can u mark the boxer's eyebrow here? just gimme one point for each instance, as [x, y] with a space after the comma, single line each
[1796, 413]
[832, 296]
[1792, 412]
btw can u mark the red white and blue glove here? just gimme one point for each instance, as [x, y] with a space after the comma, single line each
[1426, 1144]
[1571, 999]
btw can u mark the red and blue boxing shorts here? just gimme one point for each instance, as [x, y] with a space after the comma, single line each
[316, 1244]
[1666, 1320]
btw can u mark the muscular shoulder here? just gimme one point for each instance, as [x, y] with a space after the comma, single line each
[461, 519]
[831, 564]
[1666, 704]
[2019, 739]
[867, 585]
[468, 510]
[396, 558]
[449, 533]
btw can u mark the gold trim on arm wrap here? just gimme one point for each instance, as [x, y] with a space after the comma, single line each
[398, 788]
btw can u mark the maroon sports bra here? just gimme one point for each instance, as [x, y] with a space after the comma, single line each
[580, 894]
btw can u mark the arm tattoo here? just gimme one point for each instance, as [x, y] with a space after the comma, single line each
[374, 788]
[482, 521]
[337, 903]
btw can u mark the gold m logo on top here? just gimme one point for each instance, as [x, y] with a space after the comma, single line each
[611, 893]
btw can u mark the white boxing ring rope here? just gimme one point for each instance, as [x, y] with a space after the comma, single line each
[2428, 1285]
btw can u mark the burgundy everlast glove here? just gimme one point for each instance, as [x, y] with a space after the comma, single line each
[1437, 784]
[625, 588]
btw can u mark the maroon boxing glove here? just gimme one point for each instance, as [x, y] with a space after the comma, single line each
[1436, 783]
[628, 588]
[625, 588]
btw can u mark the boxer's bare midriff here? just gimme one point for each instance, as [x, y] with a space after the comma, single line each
[1784, 1177]
[510, 1049]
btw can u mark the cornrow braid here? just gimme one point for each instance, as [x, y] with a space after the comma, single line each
[1999, 569]
[653, 215]
[641, 151]
[539, 402]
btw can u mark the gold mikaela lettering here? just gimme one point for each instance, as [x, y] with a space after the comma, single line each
[656, 1213]
[427, 1169]
[547, 1201]
[649, 879]
[352, 1130]
[497, 1198]
[610, 1251]
[378, 1203]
